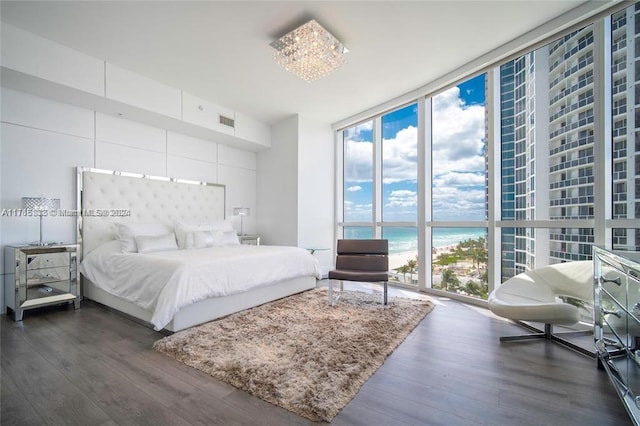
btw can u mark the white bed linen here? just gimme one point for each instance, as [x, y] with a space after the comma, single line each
[164, 282]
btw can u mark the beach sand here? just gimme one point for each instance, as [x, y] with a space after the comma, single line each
[461, 268]
[398, 259]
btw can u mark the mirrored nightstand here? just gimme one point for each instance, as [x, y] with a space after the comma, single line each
[252, 240]
[39, 276]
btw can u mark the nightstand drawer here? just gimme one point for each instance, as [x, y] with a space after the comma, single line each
[49, 289]
[614, 282]
[611, 339]
[615, 316]
[48, 260]
[47, 275]
[633, 297]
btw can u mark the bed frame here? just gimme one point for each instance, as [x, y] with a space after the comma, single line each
[106, 197]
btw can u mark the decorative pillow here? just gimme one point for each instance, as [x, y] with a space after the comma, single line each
[199, 239]
[202, 239]
[229, 238]
[151, 243]
[126, 233]
[183, 228]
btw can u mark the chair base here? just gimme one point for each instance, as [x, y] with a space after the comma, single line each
[334, 300]
[548, 334]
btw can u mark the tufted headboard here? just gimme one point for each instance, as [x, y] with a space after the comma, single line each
[106, 197]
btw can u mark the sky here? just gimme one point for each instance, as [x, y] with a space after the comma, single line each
[458, 160]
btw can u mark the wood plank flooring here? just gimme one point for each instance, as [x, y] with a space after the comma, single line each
[96, 367]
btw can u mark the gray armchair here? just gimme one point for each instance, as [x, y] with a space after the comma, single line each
[363, 261]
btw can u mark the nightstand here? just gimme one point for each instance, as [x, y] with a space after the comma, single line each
[40, 275]
[251, 240]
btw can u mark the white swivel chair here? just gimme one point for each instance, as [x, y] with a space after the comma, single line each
[534, 296]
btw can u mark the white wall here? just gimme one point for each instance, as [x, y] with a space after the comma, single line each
[316, 183]
[43, 141]
[278, 185]
[296, 187]
[44, 68]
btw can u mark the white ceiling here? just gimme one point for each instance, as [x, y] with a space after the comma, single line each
[220, 50]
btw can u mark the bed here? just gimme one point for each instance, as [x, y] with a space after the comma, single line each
[173, 288]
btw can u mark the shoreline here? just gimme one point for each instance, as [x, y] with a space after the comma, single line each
[398, 259]
[464, 269]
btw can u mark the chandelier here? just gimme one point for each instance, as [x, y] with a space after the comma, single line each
[310, 51]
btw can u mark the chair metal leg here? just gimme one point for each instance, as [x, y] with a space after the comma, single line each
[333, 301]
[548, 334]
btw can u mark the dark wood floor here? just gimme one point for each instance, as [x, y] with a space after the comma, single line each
[95, 367]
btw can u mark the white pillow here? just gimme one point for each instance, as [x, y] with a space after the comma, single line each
[151, 243]
[199, 239]
[126, 233]
[229, 238]
[183, 228]
[202, 239]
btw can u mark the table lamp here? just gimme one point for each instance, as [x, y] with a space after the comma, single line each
[242, 212]
[40, 206]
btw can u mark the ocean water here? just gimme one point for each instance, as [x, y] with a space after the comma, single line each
[406, 239]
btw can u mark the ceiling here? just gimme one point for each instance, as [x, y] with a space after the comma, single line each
[220, 51]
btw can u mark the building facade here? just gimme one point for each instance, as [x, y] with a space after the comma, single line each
[547, 144]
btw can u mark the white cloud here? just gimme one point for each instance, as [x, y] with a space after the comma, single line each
[402, 198]
[458, 161]
[367, 125]
[450, 203]
[458, 134]
[458, 164]
[354, 188]
[459, 179]
[400, 162]
[358, 161]
[357, 212]
[355, 133]
[400, 156]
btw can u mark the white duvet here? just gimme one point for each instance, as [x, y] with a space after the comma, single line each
[166, 281]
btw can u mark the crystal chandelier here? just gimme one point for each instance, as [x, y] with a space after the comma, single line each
[310, 51]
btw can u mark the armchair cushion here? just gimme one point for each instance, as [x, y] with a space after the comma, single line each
[534, 295]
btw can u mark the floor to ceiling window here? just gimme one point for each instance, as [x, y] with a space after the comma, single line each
[526, 165]
[380, 187]
[458, 188]
[399, 191]
[547, 153]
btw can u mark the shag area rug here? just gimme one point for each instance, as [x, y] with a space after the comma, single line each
[299, 352]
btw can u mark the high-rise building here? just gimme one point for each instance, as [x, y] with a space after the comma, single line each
[570, 142]
[547, 144]
[625, 123]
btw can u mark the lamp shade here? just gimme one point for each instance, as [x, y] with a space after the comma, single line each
[40, 204]
[40, 207]
[241, 211]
